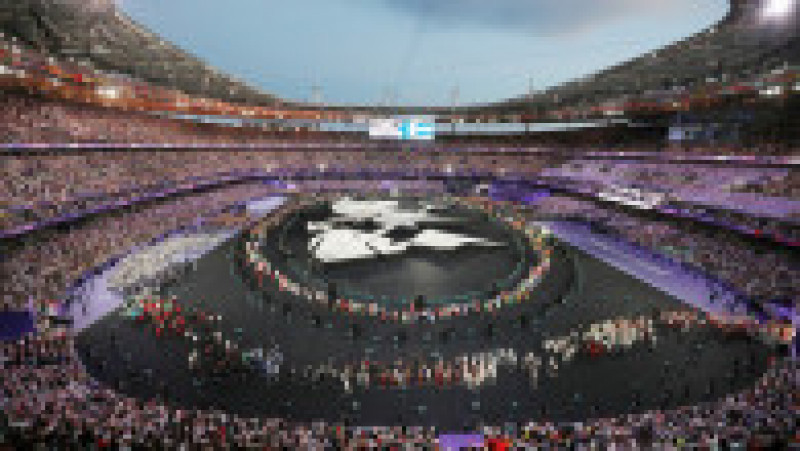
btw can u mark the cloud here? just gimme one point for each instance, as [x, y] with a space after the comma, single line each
[534, 16]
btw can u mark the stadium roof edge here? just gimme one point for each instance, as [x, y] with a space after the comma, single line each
[30, 21]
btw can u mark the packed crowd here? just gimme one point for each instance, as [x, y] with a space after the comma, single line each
[46, 263]
[787, 186]
[759, 147]
[780, 230]
[40, 187]
[719, 177]
[753, 198]
[30, 119]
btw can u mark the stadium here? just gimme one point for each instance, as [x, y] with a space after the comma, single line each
[190, 259]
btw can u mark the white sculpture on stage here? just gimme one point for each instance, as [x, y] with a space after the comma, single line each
[334, 241]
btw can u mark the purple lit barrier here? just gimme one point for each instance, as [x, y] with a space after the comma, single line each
[758, 205]
[292, 145]
[456, 442]
[571, 186]
[703, 189]
[14, 325]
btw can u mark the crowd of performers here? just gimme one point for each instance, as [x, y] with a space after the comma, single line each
[216, 351]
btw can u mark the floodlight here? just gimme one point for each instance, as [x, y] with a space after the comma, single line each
[777, 8]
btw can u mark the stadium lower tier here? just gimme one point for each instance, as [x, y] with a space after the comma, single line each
[589, 342]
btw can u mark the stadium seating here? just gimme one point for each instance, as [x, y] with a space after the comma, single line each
[112, 42]
[83, 183]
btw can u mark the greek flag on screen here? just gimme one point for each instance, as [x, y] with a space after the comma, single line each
[402, 128]
[411, 129]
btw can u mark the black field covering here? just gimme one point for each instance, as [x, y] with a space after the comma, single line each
[682, 368]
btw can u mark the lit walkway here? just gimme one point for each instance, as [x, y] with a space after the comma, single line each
[687, 284]
[94, 298]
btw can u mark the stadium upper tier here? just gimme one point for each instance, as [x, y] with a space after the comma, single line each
[98, 33]
[742, 44]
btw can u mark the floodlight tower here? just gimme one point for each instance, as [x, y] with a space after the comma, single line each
[454, 96]
[316, 93]
[389, 97]
[531, 92]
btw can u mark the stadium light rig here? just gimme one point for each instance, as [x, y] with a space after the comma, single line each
[776, 9]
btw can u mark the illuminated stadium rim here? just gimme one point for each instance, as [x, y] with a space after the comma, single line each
[536, 237]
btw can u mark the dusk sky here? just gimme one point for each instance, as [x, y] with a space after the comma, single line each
[419, 52]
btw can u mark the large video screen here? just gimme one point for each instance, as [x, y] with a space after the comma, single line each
[404, 128]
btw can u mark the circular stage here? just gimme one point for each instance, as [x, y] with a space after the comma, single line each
[225, 337]
[389, 258]
[394, 251]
